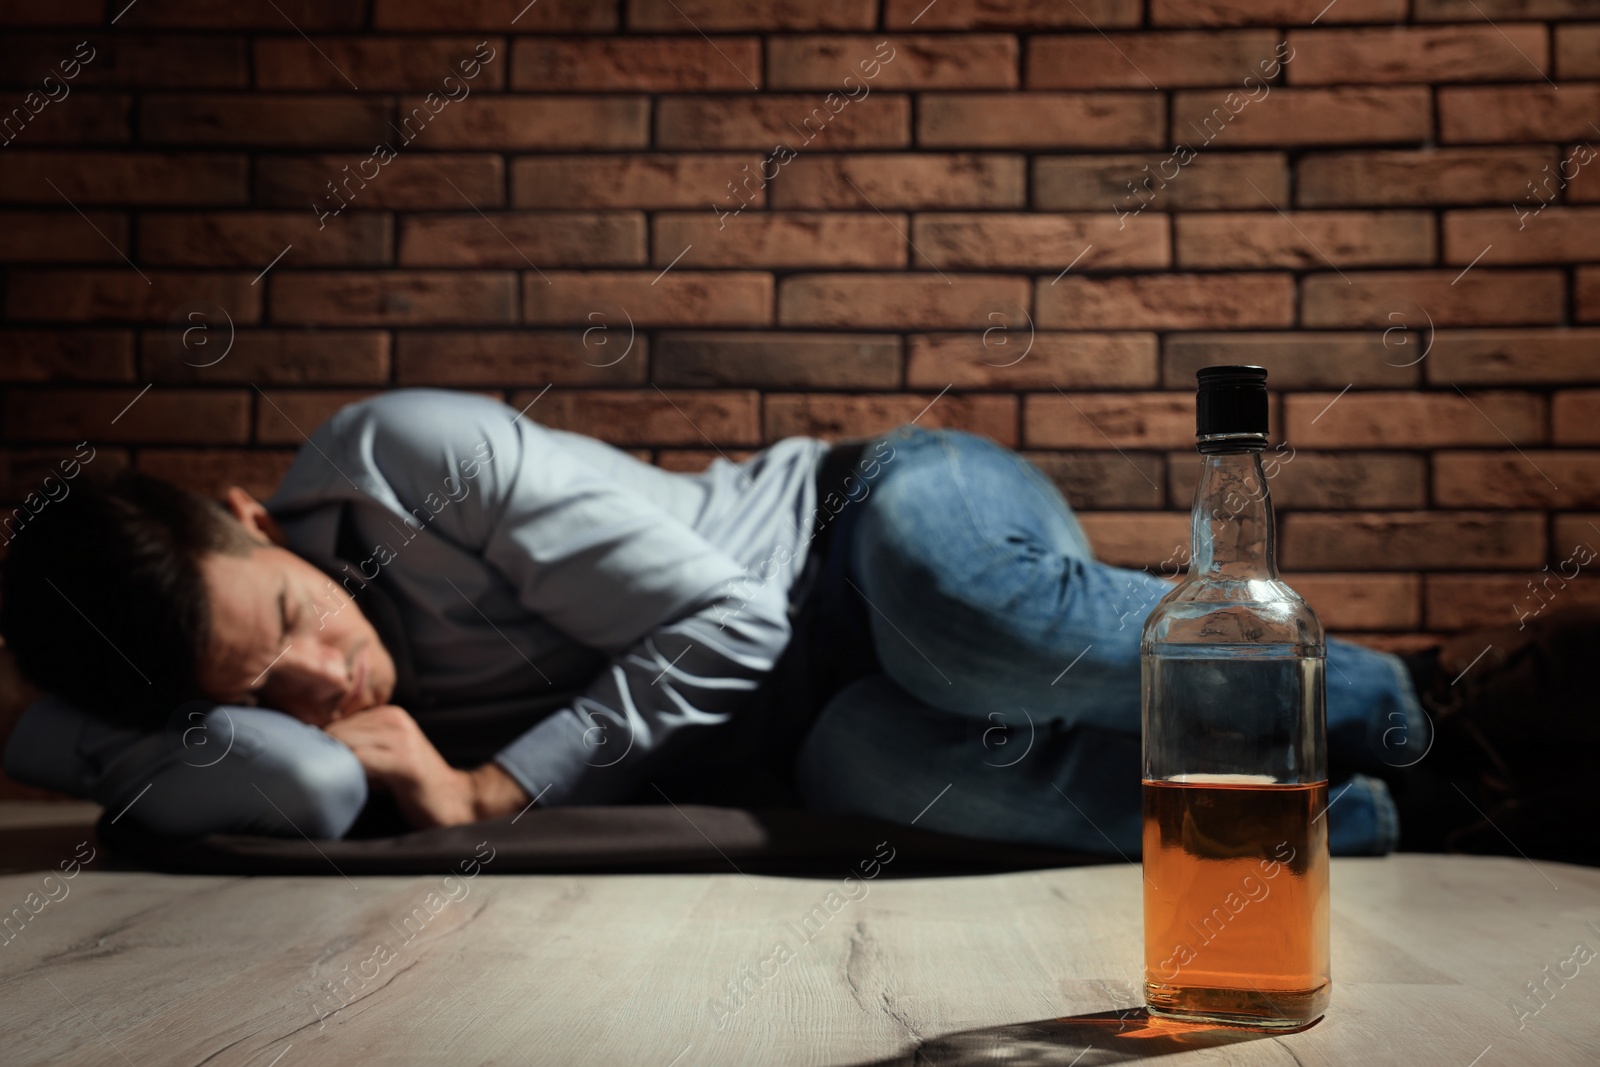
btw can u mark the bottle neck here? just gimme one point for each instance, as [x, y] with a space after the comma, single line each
[1233, 535]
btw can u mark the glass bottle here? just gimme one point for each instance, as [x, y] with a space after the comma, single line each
[1235, 752]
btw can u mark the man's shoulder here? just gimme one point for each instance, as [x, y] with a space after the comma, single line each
[419, 412]
[385, 446]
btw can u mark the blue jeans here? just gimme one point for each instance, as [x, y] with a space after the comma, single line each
[1000, 696]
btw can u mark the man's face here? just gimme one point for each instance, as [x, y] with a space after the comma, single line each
[286, 636]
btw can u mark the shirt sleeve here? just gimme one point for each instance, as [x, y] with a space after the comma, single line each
[690, 632]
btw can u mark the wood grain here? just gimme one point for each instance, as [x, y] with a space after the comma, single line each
[1030, 968]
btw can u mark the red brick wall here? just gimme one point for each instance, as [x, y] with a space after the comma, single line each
[1354, 197]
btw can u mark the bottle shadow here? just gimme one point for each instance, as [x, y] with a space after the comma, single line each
[1075, 1041]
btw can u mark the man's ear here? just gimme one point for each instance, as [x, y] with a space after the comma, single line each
[253, 517]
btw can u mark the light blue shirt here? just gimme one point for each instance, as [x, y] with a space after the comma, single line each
[551, 603]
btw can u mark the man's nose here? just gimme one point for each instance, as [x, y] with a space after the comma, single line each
[319, 671]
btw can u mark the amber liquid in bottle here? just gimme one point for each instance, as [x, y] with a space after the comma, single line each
[1236, 899]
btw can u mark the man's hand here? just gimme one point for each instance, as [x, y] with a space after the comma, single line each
[399, 757]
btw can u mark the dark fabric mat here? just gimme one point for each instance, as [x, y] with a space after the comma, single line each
[623, 839]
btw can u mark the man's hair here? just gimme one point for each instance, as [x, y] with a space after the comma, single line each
[102, 599]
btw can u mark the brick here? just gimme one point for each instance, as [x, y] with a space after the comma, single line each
[1270, 12]
[1140, 60]
[1157, 541]
[898, 301]
[681, 16]
[648, 181]
[1514, 357]
[212, 472]
[1516, 479]
[646, 64]
[1041, 120]
[1425, 177]
[124, 61]
[1103, 480]
[679, 297]
[1413, 420]
[24, 470]
[545, 123]
[1304, 239]
[651, 416]
[62, 237]
[1472, 10]
[1299, 479]
[277, 121]
[288, 416]
[782, 239]
[1129, 184]
[378, 64]
[393, 298]
[92, 118]
[903, 181]
[1410, 541]
[1171, 301]
[518, 238]
[693, 461]
[1578, 51]
[245, 14]
[410, 181]
[160, 415]
[1575, 417]
[1041, 242]
[1300, 360]
[1362, 601]
[66, 13]
[1586, 294]
[1399, 644]
[1572, 530]
[255, 238]
[895, 61]
[561, 15]
[1553, 235]
[71, 355]
[1478, 298]
[1517, 113]
[1471, 601]
[1008, 355]
[778, 360]
[1008, 14]
[270, 357]
[1108, 420]
[1311, 117]
[829, 122]
[1502, 52]
[109, 295]
[832, 415]
[521, 358]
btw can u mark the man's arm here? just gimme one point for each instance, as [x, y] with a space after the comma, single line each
[691, 633]
[394, 751]
[223, 769]
[652, 701]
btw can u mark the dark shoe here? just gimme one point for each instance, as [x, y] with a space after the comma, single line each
[1528, 691]
[1514, 709]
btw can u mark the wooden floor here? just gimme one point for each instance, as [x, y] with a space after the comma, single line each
[1430, 954]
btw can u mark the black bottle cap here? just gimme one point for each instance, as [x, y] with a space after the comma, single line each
[1231, 408]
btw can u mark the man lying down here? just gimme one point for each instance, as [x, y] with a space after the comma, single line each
[447, 602]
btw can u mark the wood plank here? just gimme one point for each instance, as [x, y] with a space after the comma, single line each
[1429, 952]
